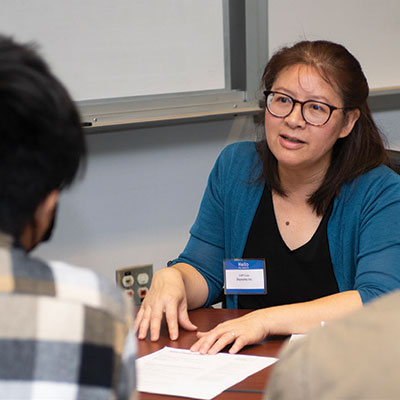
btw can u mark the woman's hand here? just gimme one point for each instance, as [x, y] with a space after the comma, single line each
[249, 329]
[278, 320]
[167, 295]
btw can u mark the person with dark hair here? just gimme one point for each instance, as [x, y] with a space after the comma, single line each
[313, 201]
[64, 331]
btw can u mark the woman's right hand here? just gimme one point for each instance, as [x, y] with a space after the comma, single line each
[167, 295]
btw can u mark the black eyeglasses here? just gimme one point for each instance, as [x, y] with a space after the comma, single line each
[314, 112]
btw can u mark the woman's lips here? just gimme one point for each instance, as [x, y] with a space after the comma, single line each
[290, 142]
[291, 139]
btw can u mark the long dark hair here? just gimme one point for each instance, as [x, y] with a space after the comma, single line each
[359, 152]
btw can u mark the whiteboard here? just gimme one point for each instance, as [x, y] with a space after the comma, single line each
[370, 29]
[105, 49]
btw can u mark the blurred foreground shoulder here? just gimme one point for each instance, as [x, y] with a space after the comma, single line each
[345, 358]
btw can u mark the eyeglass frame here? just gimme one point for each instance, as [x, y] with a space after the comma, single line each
[294, 101]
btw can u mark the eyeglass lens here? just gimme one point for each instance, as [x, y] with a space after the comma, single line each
[313, 112]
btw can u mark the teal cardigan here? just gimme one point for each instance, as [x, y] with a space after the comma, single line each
[363, 229]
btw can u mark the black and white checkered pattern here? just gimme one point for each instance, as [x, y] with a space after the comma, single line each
[65, 332]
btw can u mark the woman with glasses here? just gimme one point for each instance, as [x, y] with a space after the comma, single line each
[312, 201]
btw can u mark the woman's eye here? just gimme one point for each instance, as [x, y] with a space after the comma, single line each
[283, 99]
[317, 107]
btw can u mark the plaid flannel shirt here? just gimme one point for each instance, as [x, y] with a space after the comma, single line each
[65, 332]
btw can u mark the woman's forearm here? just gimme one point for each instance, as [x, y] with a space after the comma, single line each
[195, 284]
[281, 320]
[300, 317]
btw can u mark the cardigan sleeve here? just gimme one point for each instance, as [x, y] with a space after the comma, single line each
[205, 249]
[366, 245]
[378, 259]
[226, 212]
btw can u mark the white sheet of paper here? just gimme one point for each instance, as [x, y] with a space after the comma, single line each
[297, 336]
[179, 372]
[249, 279]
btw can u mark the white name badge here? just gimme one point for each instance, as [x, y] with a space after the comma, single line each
[245, 276]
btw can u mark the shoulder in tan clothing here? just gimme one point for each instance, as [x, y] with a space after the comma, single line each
[356, 357]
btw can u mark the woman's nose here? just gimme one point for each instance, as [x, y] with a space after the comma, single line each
[295, 118]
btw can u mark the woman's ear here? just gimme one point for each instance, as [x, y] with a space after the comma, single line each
[350, 119]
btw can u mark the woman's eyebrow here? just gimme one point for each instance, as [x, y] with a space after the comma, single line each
[290, 93]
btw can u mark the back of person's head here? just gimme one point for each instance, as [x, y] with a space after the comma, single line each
[363, 149]
[41, 140]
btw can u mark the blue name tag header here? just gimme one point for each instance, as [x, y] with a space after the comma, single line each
[245, 276]
[244, 264]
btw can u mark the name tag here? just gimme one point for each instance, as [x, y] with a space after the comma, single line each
[245, 276]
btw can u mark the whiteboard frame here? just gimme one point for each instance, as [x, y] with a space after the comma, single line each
[242, 95]
[239, 97]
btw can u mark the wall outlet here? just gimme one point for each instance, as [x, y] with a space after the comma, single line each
[135, 281]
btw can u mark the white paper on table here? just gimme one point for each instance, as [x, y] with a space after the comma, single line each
[179, 372]
[297, 336]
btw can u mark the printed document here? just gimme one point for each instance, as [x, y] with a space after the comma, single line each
[179, 372]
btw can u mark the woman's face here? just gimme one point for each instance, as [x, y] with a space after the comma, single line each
[296, 144]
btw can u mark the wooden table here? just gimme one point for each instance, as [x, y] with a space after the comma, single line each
[252, 388]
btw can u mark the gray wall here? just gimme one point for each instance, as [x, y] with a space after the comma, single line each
[142, 190]
[389, 122]
[139, 195]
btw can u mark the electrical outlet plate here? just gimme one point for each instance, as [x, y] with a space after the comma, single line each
[135, 280]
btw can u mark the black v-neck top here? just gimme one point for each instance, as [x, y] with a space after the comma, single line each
[293, 276]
